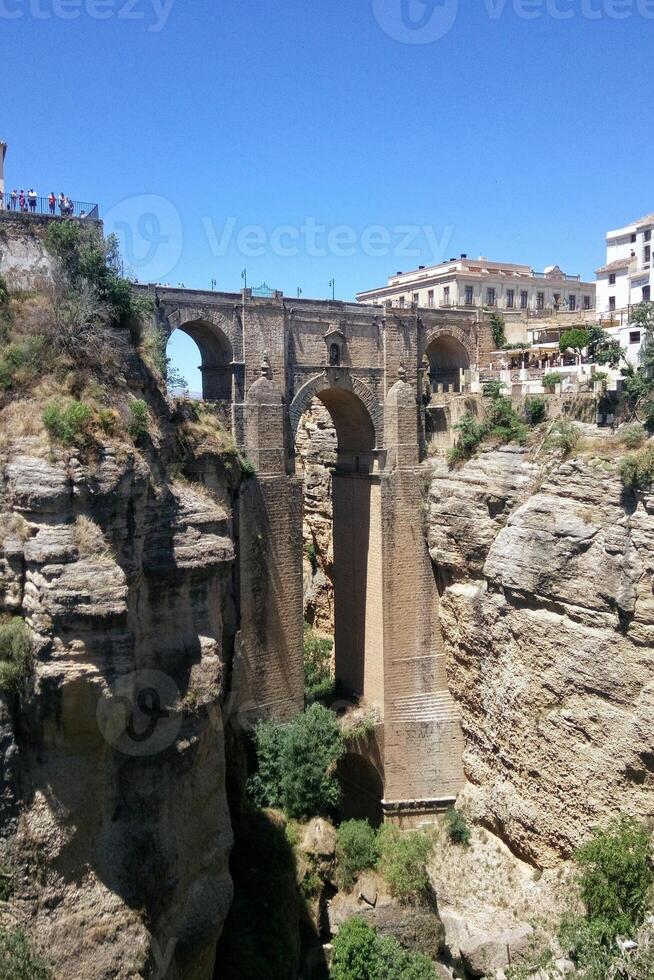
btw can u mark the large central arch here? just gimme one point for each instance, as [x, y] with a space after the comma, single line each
[356, 528]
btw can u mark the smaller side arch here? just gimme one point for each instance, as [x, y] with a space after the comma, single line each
[215, 348]
[448, 353]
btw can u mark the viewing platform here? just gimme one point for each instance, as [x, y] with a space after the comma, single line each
[82, 210]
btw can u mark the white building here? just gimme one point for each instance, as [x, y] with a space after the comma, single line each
[478, 283]
[628, 276]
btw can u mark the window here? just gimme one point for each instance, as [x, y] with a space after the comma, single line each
[401, 302]
[469, 295]
[647, 254]
[572, 302]
[633, 238]
[510, 299]
[586, 302]
[430, 298]
[647, 236]
[612, 279]
[446, 295]
[524, 299]
[540, 301]
[612, 303]
[490, 296]
[646, 294]
[634, 336]
[415, 298]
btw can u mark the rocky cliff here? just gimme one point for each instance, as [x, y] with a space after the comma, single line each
[116, 830]
[546, 574]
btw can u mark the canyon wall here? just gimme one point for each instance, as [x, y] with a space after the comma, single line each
[115, 823]
[546, 574]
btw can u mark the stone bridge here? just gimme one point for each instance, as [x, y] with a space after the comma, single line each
[267, 358]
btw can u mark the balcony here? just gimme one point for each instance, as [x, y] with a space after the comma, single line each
[41, 207]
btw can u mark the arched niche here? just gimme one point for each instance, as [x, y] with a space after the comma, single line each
[447, 357]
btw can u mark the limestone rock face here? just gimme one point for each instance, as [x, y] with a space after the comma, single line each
[113, 775]
[316, 449]
[548, 618]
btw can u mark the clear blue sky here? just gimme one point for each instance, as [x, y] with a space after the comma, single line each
[524, 139]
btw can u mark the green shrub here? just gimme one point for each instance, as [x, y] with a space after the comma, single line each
[139, 419]
[600, 376]
[296, 763]
[30, 358]
[318, 679]
[498, 328]
[492, 389]
[67, 423]
[16, 656]
[457, 827]
[632, 435]
[17, 962]
[248, 469]
[471, 433]
[356, 850]
[637, 469]
[503, 422]
[360, 954]
[535, 409]
[403, 860]
[4, 292]
[616, 876]
[552, 378]
[564, 436]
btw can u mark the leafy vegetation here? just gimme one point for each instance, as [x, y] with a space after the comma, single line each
[501, 422]
[360, 954]
[17, 961]
[16, 656]
[552, 378]
[318, 678]
[602, 348]
[493, 389]
[356, 850]
[457, 827]
[575, 340]
[403, 860]
[535, 409]
[633, 435]
[615, 882]
[637, 469]
[564, 436]
[139, 419]
[67, 422]
[296, 763]
[498, 326]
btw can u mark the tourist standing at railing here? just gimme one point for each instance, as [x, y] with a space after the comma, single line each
[14, 199]
[32, 199]
[62, 203]
[22, 202]
[52, 201]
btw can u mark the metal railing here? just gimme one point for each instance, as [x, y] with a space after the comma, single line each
[42, 206]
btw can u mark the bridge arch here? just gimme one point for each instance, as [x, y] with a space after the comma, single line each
[363, 788]
[448, 354]
[216, 357]
[356, 413]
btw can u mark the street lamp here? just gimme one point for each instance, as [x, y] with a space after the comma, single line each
[214, 283]
[299, 292]
[332, 283]
[244, 277]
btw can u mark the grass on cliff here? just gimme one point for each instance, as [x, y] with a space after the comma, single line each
[501, 424]
[16, 655]
[17, 961]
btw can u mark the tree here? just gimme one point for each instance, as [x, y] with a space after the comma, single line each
[575, 340]
[602, 348]
[296, 763]
[360, 954]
